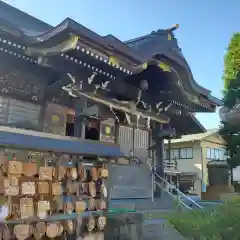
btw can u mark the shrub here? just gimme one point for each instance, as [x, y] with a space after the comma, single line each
[220, 223]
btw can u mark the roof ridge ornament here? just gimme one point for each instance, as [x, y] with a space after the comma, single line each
[173, 28]
[169, 30]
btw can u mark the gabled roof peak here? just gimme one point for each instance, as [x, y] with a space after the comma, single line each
[156, 33]
[167, 30]
[195, 137]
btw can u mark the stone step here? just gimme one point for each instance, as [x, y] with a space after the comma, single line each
[155, 225]
[155, 212]
[160, 229]
[165, 202]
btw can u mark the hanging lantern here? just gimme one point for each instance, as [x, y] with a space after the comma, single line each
[93, 123]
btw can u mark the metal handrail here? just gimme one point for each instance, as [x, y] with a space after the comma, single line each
[179, 193]
[173, 196]
[177, 190]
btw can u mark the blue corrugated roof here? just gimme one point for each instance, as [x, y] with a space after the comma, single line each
[78, 147]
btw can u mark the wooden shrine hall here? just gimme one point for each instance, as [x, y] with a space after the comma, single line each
[71, 82]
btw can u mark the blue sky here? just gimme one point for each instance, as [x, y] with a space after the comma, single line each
[206, 27]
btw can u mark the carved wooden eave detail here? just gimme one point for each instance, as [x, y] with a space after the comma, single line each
[54, 41]
[39, 58]
[126, 107]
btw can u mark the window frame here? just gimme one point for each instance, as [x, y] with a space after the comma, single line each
[187, 156]
[212, 153]
[208, 152]
[219, 156]
[172, 153]
[166, 157]
[186, 149]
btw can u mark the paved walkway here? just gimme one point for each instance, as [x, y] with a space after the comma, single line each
[160, 229]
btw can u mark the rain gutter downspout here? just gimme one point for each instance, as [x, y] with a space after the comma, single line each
[201, 156]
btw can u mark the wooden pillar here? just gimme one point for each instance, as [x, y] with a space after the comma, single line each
[79, 128]
[159, 156]
[169, 152]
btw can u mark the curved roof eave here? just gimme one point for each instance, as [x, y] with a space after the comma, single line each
[175, 56]
[28, 32]
[215, 100]
[197, 122]
[115, 45]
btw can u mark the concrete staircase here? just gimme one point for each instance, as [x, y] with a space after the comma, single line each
[155, 224]
[163, 203]
[155, 211]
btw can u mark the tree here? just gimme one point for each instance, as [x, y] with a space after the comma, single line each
[231, 77]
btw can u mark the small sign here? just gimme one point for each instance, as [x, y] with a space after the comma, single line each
[36, 157]
[107, 130]
[217, 162]
[130, 181]
[55, 118]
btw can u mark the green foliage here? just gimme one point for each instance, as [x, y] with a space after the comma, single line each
[220, 223]
[232, 136]
[231, 92]
[232, 61]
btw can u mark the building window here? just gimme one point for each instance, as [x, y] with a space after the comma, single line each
[216, 154]
[222, 154]
[175, 153]
[212, 153]
[166, 154]
[208, 153]
[186, 153]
